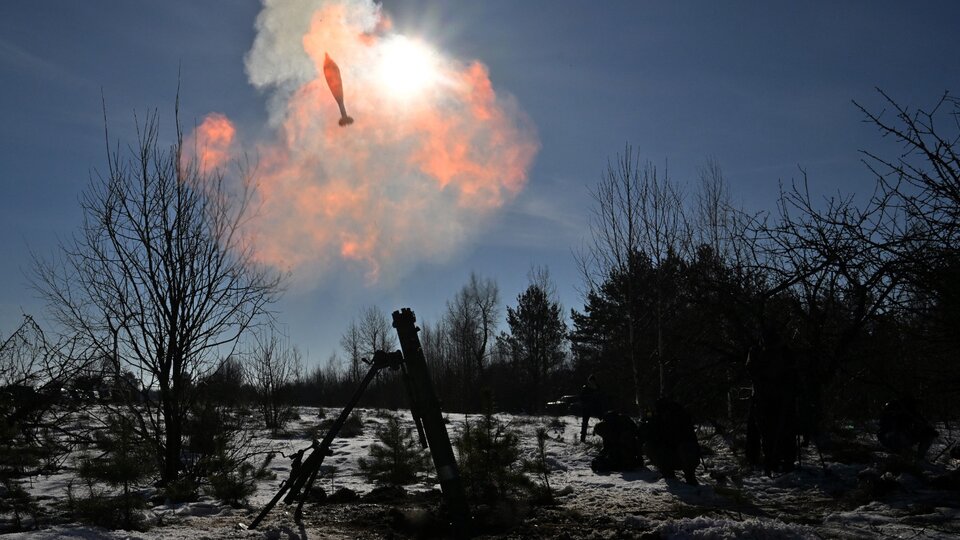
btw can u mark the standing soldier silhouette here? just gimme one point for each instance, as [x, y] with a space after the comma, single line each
[591, 402]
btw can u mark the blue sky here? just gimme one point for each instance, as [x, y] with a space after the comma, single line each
[760, 86]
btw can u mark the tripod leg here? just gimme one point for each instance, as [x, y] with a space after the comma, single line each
[273, 502]
[298, 514]
[311, 465]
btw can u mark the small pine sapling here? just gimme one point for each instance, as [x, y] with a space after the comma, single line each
[490, 462]
[18, 504]
[397, 458]
[542, 493]
[235, 485]
[125, 462]
[223, 447]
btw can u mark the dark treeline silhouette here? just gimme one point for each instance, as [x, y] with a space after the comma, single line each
[860, 299]
[523, 366]
[858, 296]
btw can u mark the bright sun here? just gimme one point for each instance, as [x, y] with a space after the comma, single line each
[407, 66]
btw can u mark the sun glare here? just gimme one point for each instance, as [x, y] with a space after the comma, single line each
[408, 66]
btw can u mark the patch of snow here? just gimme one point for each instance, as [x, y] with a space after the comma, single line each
[729, 502]
[722, 529]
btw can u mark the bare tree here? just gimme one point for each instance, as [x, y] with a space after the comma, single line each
[352, 343]
[274, 367]
[835, 258]
[159, 278]
[23, 357]
[924, 180]
[716, 222]
[33, 372]
[484, 296]
[722, 234]
[920, 187]
[471, 321]
[637, 214]
[666, 234]
[437, 349]
[376, 332]
[461, 329]
[433, 338]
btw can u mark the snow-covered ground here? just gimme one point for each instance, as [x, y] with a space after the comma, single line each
[812, 502]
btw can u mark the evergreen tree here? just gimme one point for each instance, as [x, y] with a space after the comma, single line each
[397, 458]
[17, 503]
[125, 463]
[222, 442]
[690, 321]
[540, 467]
[535, 341]
[490, 463]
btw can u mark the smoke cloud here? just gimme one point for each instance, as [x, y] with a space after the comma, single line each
[433, 153]
[211, 143]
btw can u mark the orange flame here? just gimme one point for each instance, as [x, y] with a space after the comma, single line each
[412, 179]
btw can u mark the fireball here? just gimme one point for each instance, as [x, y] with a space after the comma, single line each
[407, 67]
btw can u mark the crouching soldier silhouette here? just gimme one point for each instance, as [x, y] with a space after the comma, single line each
[670, 441]
[621, 444]
[903, 428]
[591, 404]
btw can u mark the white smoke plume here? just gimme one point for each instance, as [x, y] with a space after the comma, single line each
[433, 153]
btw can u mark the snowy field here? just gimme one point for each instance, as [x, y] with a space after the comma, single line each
[812, 502]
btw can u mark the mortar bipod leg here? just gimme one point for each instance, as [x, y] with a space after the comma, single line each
[323, 449]
[296, 469]
[298, 514]
[266, 509]
[312, 464]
